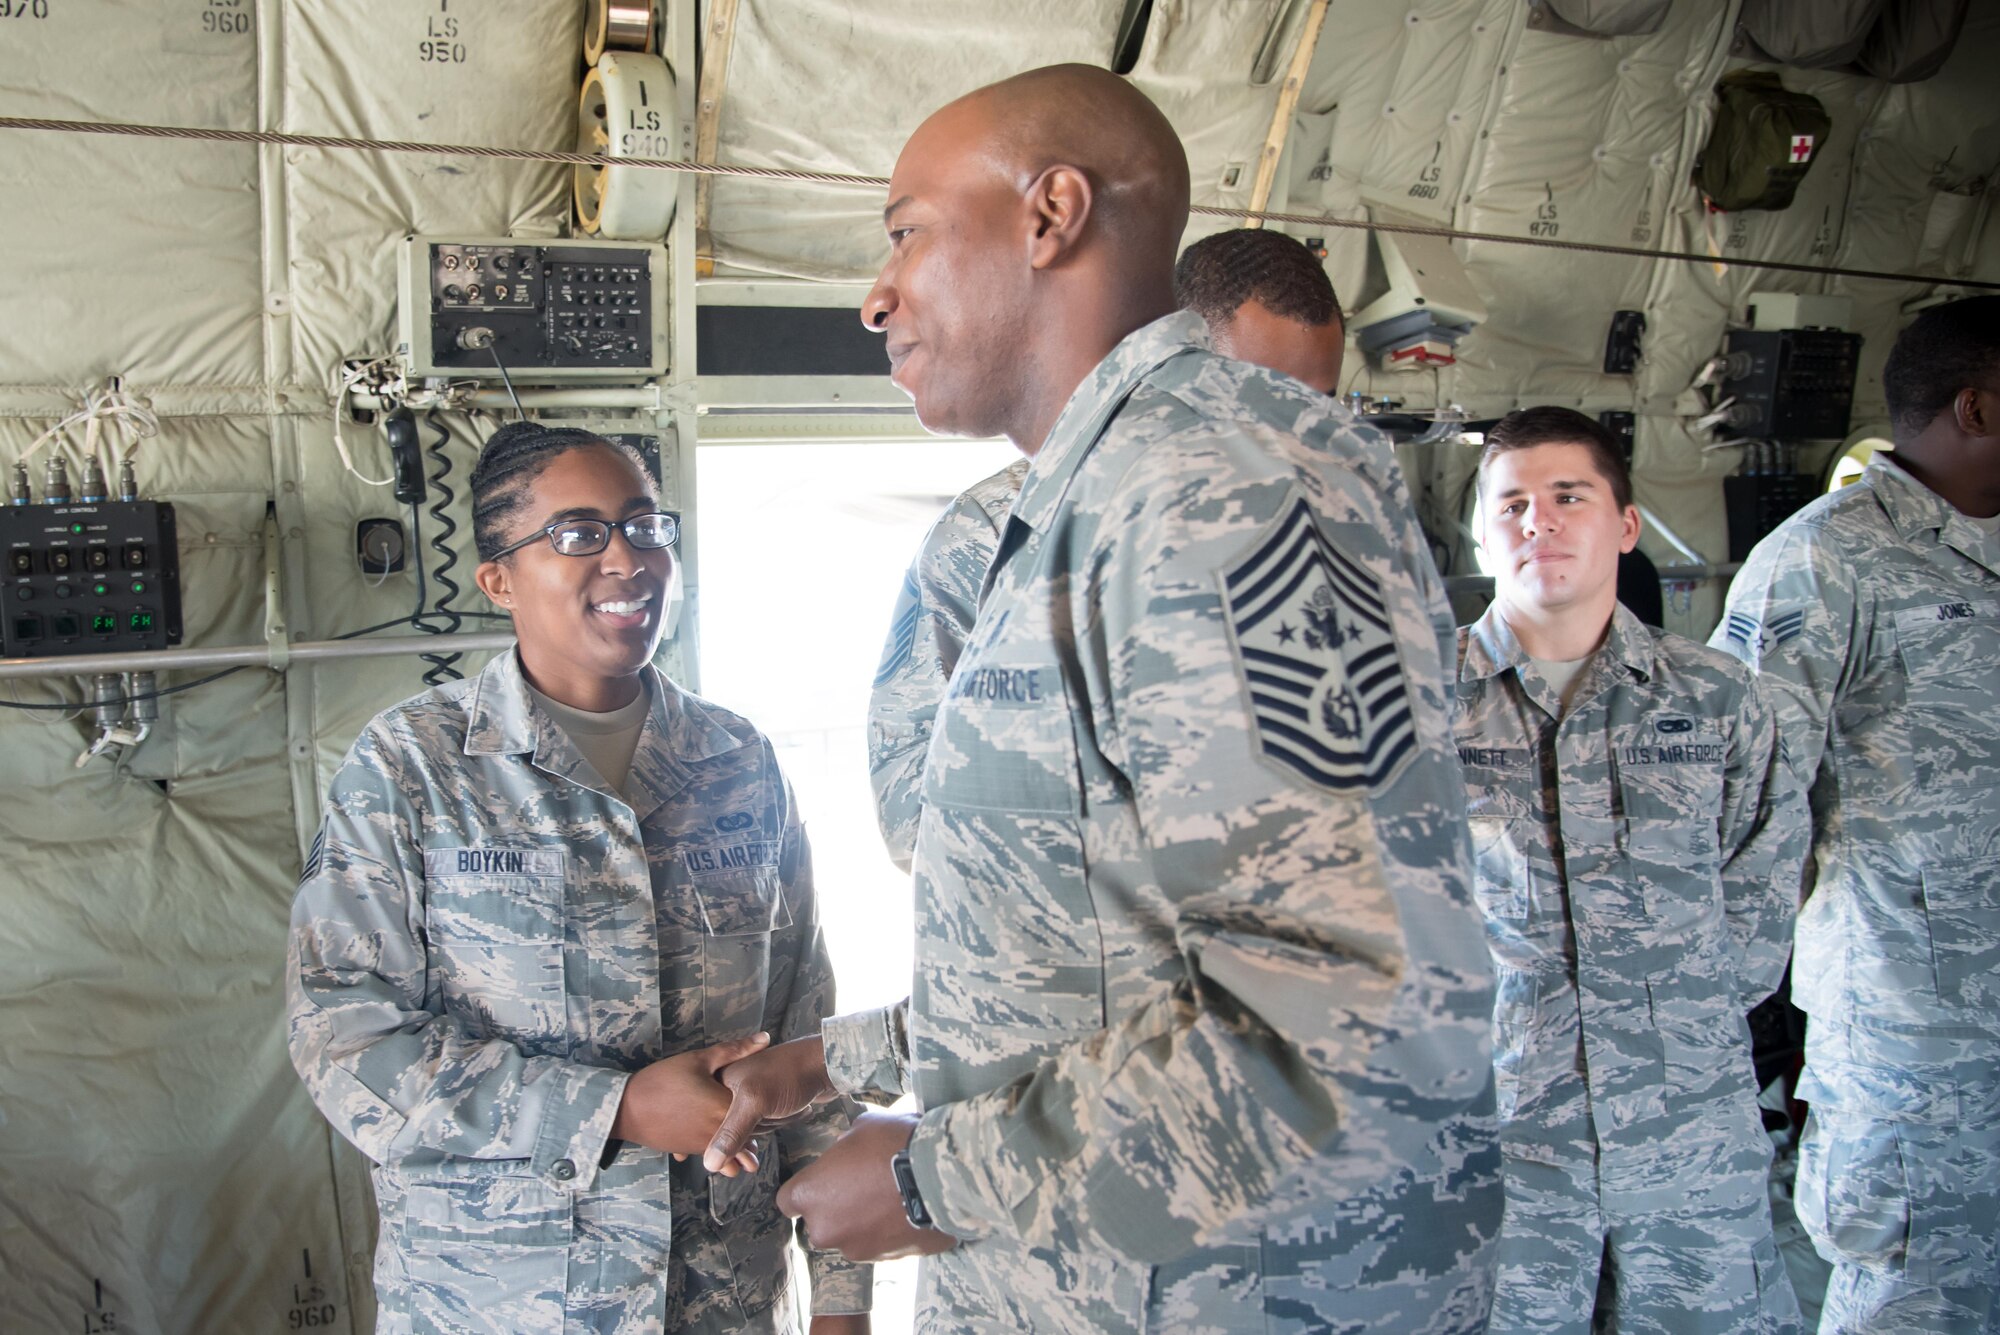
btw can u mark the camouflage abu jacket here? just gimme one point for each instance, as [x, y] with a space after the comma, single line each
[1872, 618]
[1637, 864]
[484, 945]
[1201, 1007]
[934, 613]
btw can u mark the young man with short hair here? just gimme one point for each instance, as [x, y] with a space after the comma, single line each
[1637, 840]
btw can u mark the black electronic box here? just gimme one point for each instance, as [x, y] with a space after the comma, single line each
[1799, 381]
[541, 306]
[89, 578]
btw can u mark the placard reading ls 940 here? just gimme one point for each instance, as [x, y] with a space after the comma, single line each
[549, 310]
[94, 578]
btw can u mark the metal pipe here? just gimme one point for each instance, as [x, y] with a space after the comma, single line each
[1674, 540]
[251, 655]
[594, 396]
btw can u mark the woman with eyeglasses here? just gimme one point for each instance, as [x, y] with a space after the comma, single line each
[548, 904]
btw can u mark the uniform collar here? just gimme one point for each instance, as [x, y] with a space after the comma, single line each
[680, 728]
[1091, 406]
[1914, 509]
[1490, 646]
[1911, 506]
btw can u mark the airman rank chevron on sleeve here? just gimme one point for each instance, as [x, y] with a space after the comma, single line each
[1318, 658]
[902, 630]
[1750, 634]
[313, 856]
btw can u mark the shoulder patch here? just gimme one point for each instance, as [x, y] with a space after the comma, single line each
[1751, 635]
[1317, 655]
[314, 856]
[902, 630]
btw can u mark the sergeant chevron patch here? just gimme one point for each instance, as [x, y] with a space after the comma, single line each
[1317, 654]
[903, 630]
[314, 856]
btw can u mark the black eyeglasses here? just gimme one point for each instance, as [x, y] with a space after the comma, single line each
[586, 537]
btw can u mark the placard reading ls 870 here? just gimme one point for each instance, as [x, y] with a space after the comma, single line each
[94, 578]
[556, 310]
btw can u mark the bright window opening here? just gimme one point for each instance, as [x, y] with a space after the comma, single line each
[803, 549]
[1853, 461]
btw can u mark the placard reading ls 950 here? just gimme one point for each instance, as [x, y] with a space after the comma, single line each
[549, 310]
[92, 578]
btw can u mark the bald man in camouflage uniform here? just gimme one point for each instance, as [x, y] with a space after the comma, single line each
[1638, 839]
[1266, 300]
[473, 982]
[1199, 1021]
[1873, 618]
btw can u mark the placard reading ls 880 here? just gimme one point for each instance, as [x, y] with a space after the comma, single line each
[546, 310]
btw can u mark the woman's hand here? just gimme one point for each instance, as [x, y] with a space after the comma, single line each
[677, 1105]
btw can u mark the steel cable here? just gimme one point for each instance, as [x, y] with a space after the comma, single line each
[287, 140]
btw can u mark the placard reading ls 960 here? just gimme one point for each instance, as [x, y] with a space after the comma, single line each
[556, 310]
[95, 578]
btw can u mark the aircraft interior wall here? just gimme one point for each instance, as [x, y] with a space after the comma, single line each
[161, 1169]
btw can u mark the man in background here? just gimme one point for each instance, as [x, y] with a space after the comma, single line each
[1872, 617]
[1636, 837]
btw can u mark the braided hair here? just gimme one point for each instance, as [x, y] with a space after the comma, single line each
[1219, 273]
[513, 457]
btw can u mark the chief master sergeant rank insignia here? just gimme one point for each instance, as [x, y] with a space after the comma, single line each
[1318, 659]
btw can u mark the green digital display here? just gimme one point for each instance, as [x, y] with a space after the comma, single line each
[104, 623]
[141, 622]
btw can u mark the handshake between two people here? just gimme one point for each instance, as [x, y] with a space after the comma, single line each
[717, 1101]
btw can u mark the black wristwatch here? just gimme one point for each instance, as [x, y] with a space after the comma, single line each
[906, 1187]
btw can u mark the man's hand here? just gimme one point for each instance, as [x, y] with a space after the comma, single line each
[769, 1088]
[855, 1324]
[676, 1104]
[849, 1200]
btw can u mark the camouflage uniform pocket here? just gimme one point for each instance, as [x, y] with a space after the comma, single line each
[1008, 937]
[1004, 743]
[740, 905]
[1672, 865]
[496, 946]
[1502, 881]
[739, 915]
[1670, 777]
[1853, 1195]
[1950, 654]
[1961, 904]
[485, 1255]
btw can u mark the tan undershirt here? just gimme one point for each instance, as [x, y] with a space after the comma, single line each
[1562, 674]
[608, 741]
[1990, 525]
